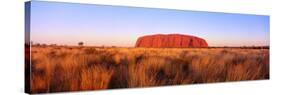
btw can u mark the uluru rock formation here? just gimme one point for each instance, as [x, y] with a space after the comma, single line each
[170, 41]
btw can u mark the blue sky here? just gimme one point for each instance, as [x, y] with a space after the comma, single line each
[97, 25]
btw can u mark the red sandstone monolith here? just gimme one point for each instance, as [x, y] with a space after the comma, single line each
[170, 41]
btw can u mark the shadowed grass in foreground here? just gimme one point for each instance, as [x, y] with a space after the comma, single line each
[56, 69]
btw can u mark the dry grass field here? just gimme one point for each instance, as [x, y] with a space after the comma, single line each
[56, 69]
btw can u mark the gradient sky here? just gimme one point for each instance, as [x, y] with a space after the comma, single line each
[97, 25]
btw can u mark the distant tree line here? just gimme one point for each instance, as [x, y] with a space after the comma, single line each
[244, 47]
[43, 44]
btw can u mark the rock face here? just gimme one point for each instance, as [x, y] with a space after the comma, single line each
[170, 41]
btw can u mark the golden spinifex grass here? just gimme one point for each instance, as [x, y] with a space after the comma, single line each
[55, 69]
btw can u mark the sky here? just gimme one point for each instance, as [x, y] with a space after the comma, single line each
[104, 25]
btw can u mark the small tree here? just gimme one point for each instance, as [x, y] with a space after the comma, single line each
[80, 43]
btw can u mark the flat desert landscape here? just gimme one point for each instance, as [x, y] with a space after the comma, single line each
[65, 68]
[83, 47]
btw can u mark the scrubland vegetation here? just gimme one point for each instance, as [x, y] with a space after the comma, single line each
[56, 69]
